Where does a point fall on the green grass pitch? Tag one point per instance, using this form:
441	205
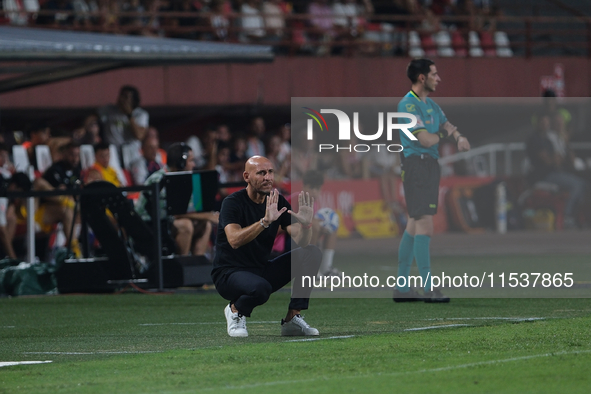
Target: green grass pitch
136	343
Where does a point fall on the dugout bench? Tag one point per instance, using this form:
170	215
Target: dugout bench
124	255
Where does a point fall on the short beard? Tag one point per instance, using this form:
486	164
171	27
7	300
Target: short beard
259	191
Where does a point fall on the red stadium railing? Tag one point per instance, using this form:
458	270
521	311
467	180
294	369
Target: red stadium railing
369	35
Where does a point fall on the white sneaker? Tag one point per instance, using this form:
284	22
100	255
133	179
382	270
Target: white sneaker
236	323
297	326
331	272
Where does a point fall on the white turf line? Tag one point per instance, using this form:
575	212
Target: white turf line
276	322
434	327
491	318
204	323
421	371
320	339
299	340
10	363
92	353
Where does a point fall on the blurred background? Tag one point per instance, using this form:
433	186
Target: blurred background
221	74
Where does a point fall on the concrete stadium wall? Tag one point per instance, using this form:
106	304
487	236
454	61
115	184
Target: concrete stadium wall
275	83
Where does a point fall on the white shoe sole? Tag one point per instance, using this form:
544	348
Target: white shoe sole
233	334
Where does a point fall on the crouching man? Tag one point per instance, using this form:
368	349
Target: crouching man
242	272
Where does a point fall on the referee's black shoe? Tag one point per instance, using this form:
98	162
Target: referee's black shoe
408	296
435	296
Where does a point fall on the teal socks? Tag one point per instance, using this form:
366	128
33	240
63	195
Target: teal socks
405	257
423	256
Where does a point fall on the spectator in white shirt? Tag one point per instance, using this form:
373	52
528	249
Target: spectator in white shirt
253	25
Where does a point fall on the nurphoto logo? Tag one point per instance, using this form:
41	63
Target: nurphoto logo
345	130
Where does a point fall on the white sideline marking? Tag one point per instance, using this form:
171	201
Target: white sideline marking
174	324
320	339
8	326
506	360
91	353
202	323
433	327
9	363
489	318
503	361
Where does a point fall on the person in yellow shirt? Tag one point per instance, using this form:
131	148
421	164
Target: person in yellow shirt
48	212
100	170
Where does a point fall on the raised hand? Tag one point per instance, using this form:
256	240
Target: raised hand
272	214
127	107
305	209
463	144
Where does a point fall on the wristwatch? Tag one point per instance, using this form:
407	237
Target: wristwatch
263	223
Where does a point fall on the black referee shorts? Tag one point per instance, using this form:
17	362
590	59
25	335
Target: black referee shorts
420	177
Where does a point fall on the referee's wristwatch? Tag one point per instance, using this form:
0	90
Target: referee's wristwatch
262	222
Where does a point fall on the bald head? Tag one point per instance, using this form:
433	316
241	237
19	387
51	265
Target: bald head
259	174
255	161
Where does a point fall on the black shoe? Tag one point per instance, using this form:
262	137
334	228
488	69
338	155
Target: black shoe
435	296
409	296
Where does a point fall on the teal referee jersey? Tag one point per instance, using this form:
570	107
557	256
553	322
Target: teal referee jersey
429	117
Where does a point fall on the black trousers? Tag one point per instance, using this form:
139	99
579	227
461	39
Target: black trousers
250	287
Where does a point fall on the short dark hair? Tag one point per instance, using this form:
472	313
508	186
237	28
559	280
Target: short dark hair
22	181
313	178
36	127
134	93
101	146
69	145
417	67
176	155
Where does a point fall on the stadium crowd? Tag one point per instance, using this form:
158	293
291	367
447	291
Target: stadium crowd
139	152
305	23
117	145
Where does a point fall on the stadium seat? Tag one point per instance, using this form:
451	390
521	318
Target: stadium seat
443	41
129	153
503	44
298	34
20	158
414	45
86	156
474	41
429	45
43	155
115	163
488	44
458	44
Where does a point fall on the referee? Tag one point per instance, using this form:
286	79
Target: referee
420	176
